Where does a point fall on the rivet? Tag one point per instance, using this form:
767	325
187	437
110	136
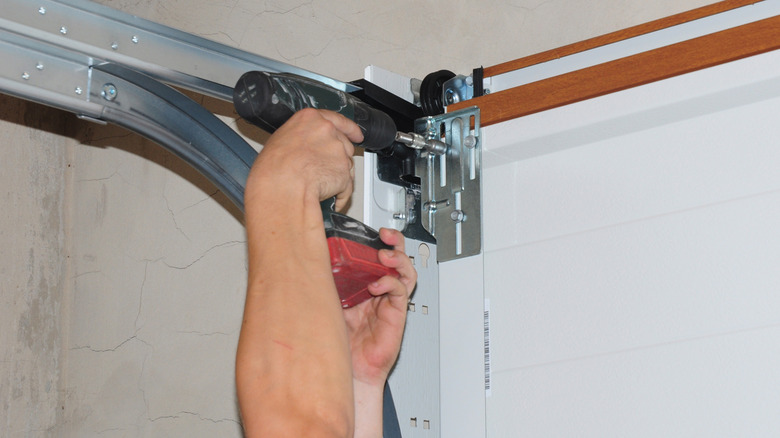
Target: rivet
25	76
134	39
78	90
39	66
42	10
64	30
114	45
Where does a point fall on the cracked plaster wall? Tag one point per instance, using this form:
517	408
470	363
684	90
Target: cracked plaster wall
123	270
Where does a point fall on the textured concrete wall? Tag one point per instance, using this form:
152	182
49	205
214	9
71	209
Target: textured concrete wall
155	279
32	264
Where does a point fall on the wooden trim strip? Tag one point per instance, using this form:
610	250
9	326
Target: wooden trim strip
631	32
632	71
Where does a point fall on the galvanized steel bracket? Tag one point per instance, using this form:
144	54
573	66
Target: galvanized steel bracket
451	183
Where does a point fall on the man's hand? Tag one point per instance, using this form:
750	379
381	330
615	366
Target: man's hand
312	152
375	328
376	325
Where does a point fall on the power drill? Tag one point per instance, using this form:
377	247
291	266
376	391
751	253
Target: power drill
270	99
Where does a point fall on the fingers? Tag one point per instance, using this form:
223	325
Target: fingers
313	151
342	198
346	126
399	261
402	286
393	238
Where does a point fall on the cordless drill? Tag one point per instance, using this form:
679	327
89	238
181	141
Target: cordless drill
268	100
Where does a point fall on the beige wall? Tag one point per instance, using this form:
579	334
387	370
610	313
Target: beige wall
123	271
33	264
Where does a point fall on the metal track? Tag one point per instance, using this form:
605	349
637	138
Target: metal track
109	66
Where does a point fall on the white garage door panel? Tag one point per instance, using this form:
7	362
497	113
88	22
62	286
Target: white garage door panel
633	267
683	389
707	159
704	272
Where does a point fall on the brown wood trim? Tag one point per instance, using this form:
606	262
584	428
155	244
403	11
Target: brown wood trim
620	35
654	65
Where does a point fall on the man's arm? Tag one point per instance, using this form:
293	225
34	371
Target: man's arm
293	371
376	328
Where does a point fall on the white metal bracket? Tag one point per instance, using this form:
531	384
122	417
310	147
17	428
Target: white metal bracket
451	183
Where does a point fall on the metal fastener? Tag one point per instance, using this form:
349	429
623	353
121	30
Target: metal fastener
25	76
114	45
450	96
470	141
42	10
458	216
78	90
64	30
435	205
109	92
134	39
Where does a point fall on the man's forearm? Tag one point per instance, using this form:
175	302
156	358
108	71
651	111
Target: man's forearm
368	410
292	369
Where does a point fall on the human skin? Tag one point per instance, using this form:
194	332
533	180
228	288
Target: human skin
304	366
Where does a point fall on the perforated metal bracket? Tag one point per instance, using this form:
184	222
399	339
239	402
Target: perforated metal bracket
451	183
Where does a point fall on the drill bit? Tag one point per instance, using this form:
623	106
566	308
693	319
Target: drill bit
417	141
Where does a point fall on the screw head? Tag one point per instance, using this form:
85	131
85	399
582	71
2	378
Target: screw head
39	66
64	30
25	76
114	45
42	10
134	39
450	96
78	90
109	92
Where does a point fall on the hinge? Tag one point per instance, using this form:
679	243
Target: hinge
451	183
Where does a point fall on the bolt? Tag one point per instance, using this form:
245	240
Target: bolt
78	90
434	205
39	66
114	45
109	92
458	216
25	76
134	39
470	141
42	10
64	30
